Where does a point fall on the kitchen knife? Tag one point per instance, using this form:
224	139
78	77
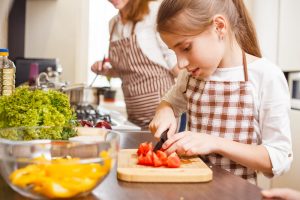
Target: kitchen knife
163	138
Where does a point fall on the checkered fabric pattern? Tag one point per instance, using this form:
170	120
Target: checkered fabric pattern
223	109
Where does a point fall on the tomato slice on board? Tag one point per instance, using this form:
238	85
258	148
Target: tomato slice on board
141	160
162	156
144	148
173	161
156	161
149	158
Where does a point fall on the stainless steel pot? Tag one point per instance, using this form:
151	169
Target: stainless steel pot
82	94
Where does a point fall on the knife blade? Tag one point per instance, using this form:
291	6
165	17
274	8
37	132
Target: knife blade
163	138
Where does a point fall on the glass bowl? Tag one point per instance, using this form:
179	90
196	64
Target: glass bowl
42	169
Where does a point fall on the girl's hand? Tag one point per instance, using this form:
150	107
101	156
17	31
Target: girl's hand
189	143
282	193
99	68
164	119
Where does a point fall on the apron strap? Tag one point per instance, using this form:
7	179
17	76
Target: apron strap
133	27
114	26
245	65
112	31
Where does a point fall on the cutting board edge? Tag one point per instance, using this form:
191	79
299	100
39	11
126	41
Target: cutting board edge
125	175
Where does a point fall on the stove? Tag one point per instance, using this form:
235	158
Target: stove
94	114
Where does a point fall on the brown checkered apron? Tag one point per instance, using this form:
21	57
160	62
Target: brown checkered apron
224	109
143	81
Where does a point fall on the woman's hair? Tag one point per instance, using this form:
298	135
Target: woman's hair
192	17
137	9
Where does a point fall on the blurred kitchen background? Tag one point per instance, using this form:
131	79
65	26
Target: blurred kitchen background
74	34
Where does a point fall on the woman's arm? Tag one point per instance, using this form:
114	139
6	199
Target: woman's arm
104	70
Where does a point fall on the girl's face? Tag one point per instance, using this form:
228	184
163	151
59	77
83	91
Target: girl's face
119	4
200	54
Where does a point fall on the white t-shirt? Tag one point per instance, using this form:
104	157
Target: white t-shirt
271	101
147	37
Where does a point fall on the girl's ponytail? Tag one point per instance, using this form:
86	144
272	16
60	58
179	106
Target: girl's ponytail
245	31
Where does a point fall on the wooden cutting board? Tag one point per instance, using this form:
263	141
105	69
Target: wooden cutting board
191	170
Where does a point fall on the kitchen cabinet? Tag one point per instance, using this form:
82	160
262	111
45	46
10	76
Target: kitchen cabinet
278	34
289	32
291	178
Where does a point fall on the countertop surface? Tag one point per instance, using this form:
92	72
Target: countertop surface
223	186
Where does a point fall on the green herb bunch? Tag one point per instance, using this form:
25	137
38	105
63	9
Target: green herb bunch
36	108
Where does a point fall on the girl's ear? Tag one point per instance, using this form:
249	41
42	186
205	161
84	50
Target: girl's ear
220	25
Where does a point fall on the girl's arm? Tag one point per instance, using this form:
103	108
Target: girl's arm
191	143
171	106
253	156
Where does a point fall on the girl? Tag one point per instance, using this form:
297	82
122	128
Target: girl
138	56
237	102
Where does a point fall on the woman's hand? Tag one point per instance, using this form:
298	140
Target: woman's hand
282	193
164	119
189	143
99	68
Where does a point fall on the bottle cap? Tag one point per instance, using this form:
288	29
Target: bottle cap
3	52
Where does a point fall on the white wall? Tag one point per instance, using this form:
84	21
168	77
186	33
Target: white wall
266	18
100	13
3	33
289	35
4	10
59	29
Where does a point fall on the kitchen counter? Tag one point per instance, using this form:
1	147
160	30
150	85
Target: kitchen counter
223	186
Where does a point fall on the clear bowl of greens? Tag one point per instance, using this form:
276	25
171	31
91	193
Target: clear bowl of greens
54	169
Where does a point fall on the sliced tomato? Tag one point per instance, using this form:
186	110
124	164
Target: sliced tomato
162	156
173	161
150	146
149	158
141	160
156	161
144	148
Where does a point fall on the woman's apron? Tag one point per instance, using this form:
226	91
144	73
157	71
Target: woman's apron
143	81
224	109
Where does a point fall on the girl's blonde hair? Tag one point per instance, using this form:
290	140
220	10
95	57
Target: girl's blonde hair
192	17
137	9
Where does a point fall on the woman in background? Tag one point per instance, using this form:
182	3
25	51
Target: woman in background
139	57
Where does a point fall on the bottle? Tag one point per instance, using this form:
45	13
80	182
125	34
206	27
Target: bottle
7	74
33	73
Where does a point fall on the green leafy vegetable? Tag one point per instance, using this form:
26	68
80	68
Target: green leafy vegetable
34	108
